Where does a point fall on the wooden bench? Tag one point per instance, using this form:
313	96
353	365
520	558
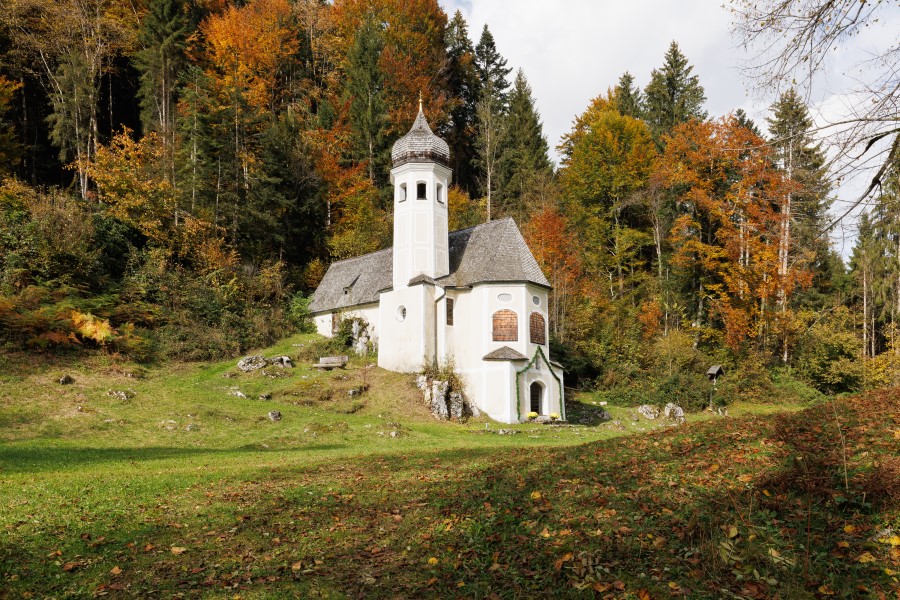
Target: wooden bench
332	362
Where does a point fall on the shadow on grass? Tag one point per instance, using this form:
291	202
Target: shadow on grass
683	512
25	459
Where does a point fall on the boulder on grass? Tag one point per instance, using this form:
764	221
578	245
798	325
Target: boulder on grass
66	380
284	362
648	412
274	415
674	412
252	363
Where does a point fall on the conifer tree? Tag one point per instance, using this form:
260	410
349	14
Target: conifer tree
368	111
673	95
804	161
489	142
744	120
162	38
525	151
491	67
629	99
462	82
491	110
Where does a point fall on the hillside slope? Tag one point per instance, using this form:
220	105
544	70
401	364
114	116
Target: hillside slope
799	505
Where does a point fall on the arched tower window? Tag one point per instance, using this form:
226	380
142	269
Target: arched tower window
537	394
538	328
421	190
506	326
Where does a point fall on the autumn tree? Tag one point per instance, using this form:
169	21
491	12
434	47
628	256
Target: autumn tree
250	52
727	238
72	45
549	235
608	157
9	145
412	59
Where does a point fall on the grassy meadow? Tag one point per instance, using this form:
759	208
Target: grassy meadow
181	487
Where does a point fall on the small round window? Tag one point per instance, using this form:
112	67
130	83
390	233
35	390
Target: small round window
536	300
401	313
504	297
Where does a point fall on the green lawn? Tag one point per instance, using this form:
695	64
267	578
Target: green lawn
187	489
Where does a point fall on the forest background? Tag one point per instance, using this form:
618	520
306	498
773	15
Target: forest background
177	175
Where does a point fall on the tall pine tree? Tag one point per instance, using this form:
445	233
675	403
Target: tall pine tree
368	111
804	161
673	95
163	39
463	83
491	67
744	120
629	99
525	152
491	112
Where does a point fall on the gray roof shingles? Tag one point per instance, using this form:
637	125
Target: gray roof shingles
491	252
504	353
420	145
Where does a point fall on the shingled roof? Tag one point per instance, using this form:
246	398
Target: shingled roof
504	353
420	145
491	252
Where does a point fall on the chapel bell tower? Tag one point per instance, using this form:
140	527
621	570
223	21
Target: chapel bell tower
421	177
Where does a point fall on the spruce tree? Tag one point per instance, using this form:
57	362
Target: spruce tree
163	39
804	161
744	120
462	81
673	95
525	152
629	99
368	110
491	67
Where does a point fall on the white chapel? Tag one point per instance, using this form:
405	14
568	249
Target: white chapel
474	296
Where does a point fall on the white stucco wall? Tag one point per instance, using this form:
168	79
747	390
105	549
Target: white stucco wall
405	345
492	384
368	312
421	245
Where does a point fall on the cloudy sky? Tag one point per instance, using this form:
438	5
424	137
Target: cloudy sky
573	50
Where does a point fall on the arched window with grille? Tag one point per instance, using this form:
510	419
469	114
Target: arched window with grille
538	328
506	326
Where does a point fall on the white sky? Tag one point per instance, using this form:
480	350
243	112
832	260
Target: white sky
573	50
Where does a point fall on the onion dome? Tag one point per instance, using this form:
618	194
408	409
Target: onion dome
420	145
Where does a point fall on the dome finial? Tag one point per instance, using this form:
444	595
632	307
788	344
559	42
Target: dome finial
420	100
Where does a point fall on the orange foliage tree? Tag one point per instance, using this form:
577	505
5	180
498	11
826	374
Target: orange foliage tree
252	47
727	237
414	54
550	236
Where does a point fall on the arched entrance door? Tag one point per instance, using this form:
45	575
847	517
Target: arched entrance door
537	395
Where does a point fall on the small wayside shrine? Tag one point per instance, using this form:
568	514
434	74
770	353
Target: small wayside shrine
475	297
